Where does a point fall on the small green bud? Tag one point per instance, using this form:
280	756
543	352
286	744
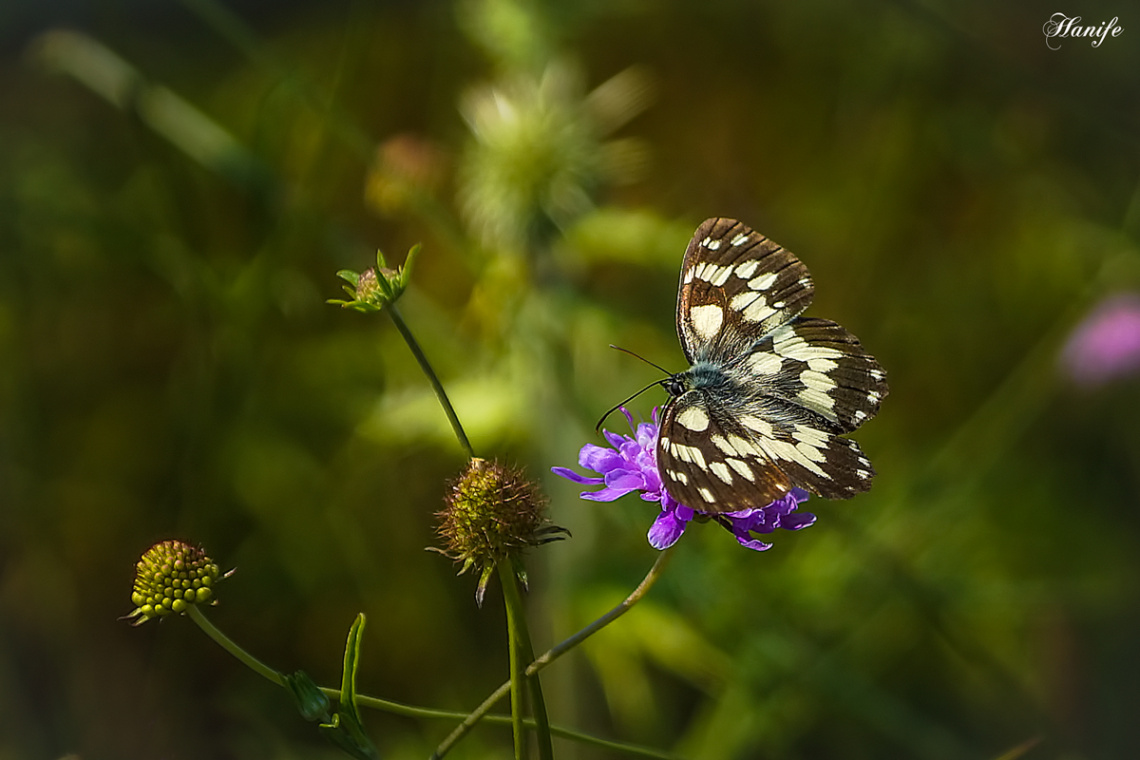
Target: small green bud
313	703
492	515
171	577
376	287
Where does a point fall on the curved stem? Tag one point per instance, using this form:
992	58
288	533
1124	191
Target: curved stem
565	646
398	708
557	651
228	644
470	720
436	385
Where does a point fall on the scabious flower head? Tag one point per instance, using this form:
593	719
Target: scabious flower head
1106	345
493	514
630	464
171	577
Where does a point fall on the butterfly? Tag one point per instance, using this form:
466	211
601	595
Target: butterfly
769	393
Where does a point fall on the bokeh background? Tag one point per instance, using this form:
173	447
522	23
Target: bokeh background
180	182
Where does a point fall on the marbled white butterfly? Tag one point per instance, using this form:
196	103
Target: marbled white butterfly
769	392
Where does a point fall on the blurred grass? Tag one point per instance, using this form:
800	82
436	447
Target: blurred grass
961	193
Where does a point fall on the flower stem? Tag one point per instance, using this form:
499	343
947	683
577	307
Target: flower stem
526	654
557	651
228	644
513	603
425	365
397	708
565	646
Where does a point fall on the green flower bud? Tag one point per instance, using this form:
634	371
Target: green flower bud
378	286
492	515
171	577
311	701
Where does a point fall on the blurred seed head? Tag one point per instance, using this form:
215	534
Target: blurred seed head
538	158
407	169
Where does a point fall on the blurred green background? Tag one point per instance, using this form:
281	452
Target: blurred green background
180	181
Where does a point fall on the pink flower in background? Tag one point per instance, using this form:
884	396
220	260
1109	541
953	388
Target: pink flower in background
1106	345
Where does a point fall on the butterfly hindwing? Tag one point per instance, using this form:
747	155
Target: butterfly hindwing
818	365
710	463
769	393
809	456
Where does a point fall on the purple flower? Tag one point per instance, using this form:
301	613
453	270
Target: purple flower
631	465
1106	345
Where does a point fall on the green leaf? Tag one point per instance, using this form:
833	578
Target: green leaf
346	729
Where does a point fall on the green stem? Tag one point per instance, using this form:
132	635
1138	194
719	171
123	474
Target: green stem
526	654
513	603
398	708
565	646
557	651
228	644
425	365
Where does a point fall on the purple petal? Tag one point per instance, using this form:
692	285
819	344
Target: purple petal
605	494
615	440
652	479
666	529
598	459
569	474
628	479
683	513
646	434
752	543
797	521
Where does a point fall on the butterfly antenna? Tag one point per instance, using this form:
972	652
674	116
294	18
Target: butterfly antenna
639	356
598	427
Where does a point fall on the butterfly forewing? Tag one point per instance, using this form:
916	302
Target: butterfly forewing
736	285
769	393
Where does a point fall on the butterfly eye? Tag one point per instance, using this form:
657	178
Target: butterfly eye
673	386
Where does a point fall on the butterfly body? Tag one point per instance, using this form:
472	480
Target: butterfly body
768	393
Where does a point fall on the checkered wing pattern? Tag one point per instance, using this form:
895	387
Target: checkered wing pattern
769	393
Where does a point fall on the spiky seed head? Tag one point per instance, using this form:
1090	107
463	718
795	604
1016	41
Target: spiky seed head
492	515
